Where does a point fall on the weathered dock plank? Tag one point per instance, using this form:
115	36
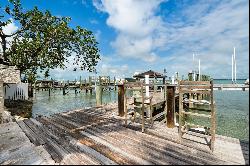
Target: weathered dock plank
99	136
16	148
64	153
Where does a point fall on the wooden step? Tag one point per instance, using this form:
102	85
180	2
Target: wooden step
196	114
196	126
195	91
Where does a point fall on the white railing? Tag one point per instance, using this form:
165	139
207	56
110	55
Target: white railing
16	91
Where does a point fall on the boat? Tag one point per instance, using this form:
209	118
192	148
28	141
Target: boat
247	82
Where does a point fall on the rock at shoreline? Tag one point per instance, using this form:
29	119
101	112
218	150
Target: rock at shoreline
19	108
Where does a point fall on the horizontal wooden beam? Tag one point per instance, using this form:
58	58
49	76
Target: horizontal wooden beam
182	82
196	114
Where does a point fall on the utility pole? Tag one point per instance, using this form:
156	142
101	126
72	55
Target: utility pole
199	69
234	67
193	69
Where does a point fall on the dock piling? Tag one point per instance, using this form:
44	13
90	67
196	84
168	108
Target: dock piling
170	107
98	95
121	100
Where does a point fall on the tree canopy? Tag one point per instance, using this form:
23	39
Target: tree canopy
44	41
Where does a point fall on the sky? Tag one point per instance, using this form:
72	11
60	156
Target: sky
139	35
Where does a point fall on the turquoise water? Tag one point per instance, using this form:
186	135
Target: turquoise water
232	113
232	107
228	81
43	104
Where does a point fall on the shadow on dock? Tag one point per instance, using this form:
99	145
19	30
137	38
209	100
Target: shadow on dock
98	136
245	150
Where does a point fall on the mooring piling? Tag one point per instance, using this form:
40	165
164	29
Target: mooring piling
99	95
121	100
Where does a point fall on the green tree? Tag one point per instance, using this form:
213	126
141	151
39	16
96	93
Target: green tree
44	41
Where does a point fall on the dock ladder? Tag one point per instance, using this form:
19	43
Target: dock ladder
196	102
140	104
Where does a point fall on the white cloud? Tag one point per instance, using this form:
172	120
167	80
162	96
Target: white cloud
94	21
110	65
212	31
107	69
136	25
8	30
85	3
209	28
98	35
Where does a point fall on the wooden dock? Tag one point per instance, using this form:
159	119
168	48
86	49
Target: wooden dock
242	87
16	148
98	136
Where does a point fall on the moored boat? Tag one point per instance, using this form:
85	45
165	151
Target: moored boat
247	82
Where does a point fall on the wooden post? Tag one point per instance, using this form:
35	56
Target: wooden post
121	100
155	87
125	109
213	118
80	81
1	99
98	95
190	77
180	114
90	81
147	87
170	106
100	80
142	110
64	90
165	91
49	91
114	84
35	87
30	90
85	81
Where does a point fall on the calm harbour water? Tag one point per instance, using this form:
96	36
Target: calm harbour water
232	107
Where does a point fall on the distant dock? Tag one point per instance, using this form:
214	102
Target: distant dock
242	87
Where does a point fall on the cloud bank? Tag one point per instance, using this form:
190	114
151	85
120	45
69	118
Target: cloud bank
167	37
136	25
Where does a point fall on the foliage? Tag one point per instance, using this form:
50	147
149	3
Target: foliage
44	41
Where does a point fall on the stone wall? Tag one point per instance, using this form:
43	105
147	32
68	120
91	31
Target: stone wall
1	97
1	102
9	74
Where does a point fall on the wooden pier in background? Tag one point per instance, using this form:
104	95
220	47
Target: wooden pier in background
98	136
242	87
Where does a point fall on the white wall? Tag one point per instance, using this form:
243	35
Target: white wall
16	91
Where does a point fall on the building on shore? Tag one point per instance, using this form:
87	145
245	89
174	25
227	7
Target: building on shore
153	76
